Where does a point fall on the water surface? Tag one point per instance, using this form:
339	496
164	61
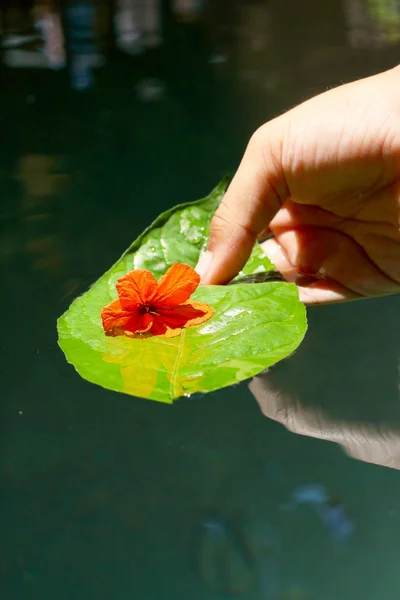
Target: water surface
108	496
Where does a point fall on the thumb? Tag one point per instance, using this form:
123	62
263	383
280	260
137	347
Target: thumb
255	195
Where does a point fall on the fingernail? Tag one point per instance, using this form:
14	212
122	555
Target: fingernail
204	264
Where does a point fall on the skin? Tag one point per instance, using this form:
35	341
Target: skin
324	179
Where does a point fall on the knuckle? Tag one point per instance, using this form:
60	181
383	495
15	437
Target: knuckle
220	221
258	140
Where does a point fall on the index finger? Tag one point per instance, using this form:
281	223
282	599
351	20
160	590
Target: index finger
254	196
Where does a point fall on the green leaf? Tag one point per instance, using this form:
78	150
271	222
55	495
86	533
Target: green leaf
253	326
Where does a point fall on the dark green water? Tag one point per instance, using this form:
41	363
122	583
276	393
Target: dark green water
105	496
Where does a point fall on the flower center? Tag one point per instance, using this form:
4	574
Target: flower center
147	308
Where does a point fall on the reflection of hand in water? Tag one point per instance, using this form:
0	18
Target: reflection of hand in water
343	384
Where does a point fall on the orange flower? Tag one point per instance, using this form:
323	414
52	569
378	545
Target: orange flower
156	308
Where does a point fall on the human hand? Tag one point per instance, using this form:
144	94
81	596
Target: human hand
324	179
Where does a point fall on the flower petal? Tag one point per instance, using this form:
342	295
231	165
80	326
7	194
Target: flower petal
159	327
139	322
176	285
114	316
136	288
176	317
117	321
167	307
205	309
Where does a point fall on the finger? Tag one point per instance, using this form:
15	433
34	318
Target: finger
255	195
378	241
332	255
278	256
293	215
326	292
311	291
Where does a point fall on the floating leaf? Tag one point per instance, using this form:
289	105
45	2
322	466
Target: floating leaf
254	324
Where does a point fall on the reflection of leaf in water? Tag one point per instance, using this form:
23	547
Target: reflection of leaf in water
40	176
386	14
42	179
